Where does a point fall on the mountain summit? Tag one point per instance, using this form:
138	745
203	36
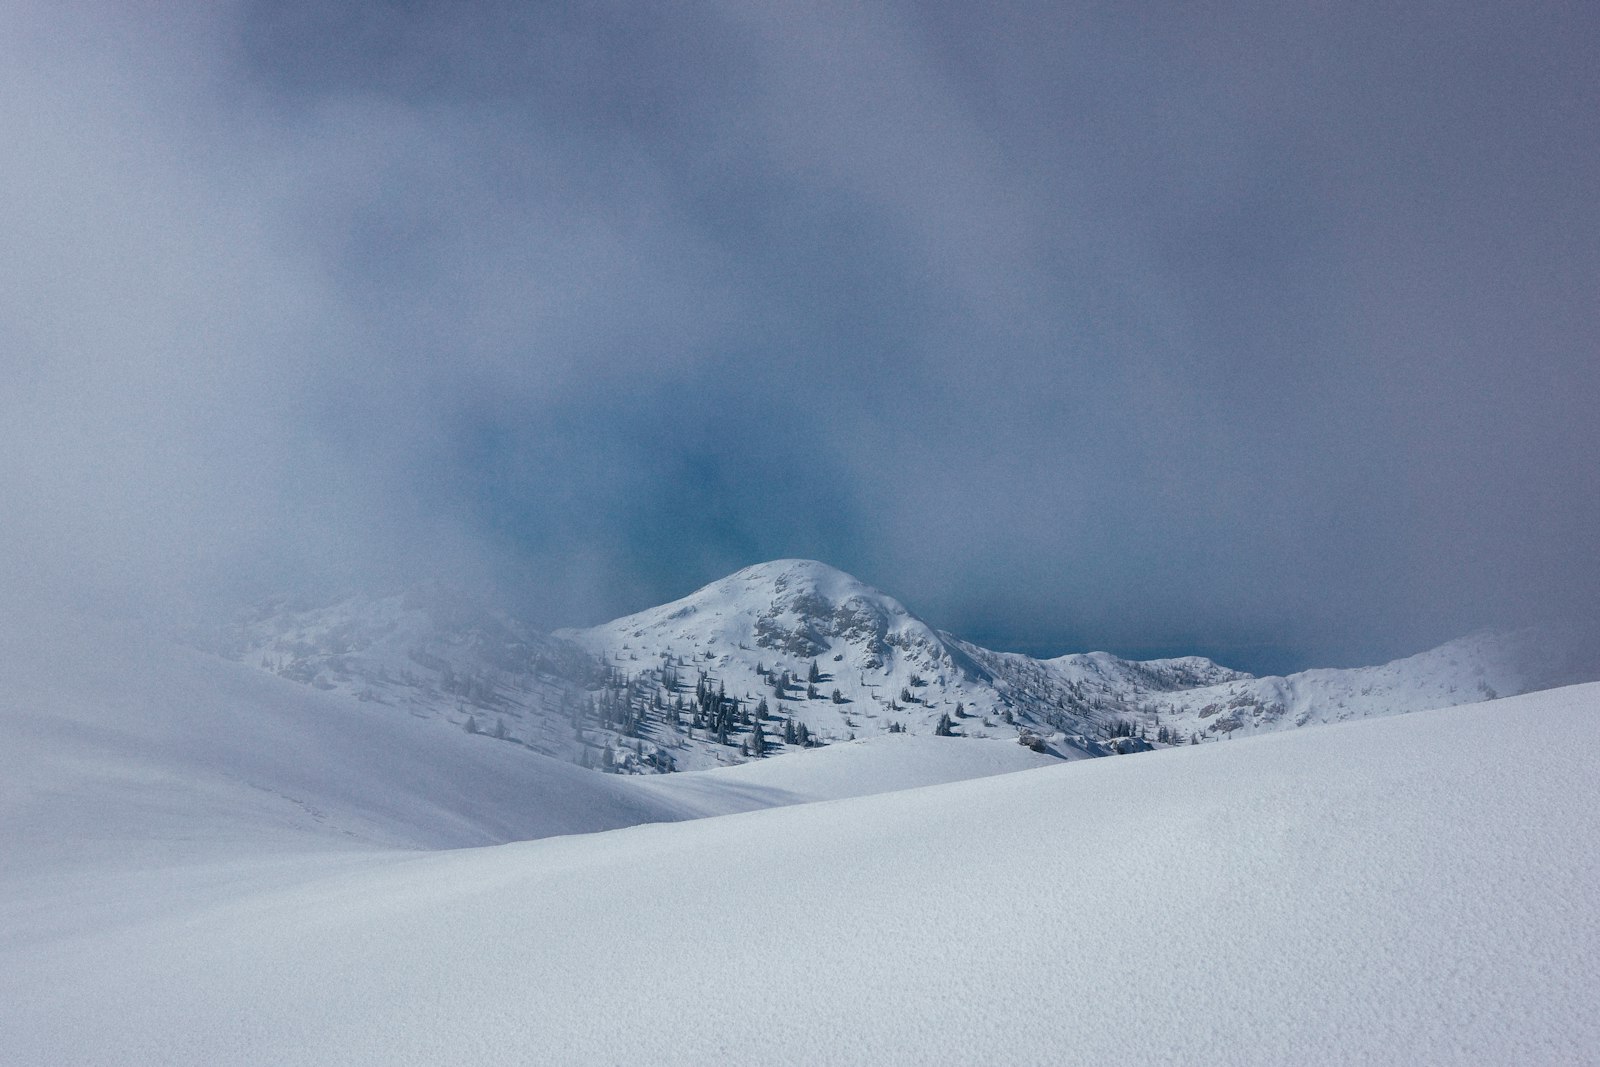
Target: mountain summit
797	608
815	645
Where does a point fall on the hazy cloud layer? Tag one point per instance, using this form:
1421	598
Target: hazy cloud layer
1263	331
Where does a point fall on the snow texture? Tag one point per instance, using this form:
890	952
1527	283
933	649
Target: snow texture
207	865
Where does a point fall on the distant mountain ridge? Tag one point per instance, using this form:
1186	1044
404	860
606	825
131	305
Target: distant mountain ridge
791	653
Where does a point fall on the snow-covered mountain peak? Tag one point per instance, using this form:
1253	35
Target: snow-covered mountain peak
792	607
799	609
782	573
814	645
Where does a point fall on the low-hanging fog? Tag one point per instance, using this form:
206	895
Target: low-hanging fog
1257	330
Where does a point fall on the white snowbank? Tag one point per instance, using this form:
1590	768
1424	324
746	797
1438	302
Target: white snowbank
1406	890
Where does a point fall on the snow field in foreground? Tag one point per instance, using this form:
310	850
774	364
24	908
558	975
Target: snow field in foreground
1414	889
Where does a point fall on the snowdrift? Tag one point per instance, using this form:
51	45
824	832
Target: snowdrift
1410	889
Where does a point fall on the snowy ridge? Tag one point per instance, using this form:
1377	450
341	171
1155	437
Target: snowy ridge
1097	702
790	654
1482	666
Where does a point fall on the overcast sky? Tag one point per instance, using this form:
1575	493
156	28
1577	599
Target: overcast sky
1264	330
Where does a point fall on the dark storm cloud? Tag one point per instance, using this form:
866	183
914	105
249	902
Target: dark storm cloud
1256	330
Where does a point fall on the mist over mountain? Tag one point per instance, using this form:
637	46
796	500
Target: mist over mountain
1071	331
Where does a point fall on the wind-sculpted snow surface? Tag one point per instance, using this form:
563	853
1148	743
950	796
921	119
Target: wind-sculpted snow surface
1416	889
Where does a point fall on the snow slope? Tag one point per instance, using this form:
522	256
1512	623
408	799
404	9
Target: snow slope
1412	889
117	741
845	769
125	746
127	753
428	653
